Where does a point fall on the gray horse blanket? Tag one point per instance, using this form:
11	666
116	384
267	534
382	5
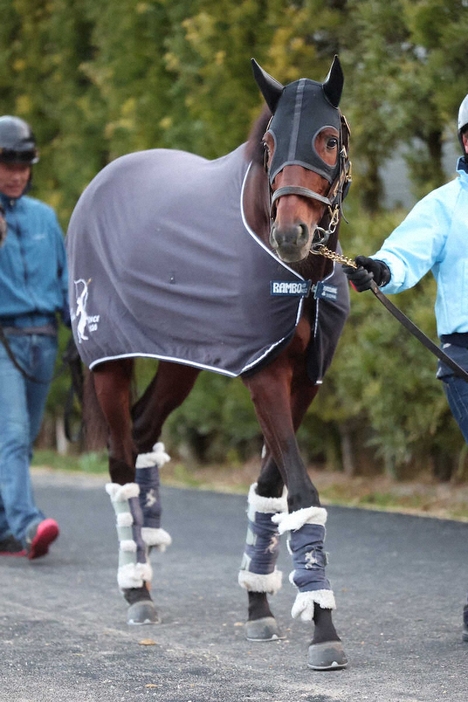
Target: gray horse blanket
163	264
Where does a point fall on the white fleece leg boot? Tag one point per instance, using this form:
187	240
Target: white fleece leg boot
258	572
147	477
134	572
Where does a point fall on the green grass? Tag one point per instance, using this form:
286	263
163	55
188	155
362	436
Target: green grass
95	463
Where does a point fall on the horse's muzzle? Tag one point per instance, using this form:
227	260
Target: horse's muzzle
291	243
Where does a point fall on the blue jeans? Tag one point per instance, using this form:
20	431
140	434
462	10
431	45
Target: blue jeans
455	388
22	403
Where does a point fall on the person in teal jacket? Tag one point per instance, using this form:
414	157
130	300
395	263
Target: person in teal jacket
433	237
33	292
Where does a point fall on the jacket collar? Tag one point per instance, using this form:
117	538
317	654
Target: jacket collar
462	165
8	202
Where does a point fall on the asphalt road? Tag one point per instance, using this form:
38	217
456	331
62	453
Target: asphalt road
400	583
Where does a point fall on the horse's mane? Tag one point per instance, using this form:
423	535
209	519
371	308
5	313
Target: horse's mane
254	149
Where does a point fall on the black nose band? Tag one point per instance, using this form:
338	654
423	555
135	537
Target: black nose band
303	105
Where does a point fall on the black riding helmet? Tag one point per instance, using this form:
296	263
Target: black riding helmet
17	142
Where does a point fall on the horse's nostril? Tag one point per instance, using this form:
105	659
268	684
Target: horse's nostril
304	233
296	235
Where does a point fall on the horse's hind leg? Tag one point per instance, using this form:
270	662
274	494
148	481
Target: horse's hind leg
258	573
168	389
112	387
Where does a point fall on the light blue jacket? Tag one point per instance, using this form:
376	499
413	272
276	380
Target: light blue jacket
33	267
434	236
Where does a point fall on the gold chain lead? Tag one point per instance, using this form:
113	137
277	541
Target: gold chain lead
334	256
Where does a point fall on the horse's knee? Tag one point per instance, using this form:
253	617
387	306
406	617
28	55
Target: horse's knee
270	482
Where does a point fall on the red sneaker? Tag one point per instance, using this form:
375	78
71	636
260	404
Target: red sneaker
40	536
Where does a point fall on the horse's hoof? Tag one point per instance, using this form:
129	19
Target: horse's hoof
143	612
327	656
265	629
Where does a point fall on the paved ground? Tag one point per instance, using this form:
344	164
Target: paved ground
400	584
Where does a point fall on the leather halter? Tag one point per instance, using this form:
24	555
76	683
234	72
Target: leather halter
336	193
302	192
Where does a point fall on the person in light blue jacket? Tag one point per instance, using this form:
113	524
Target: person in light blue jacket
33	293
433	237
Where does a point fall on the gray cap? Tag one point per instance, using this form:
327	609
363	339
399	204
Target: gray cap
17	141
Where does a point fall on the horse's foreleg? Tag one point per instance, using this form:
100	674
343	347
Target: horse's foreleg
279	415
258	573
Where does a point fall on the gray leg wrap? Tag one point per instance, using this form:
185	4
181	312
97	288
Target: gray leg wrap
258	572
134	568
147	477
307	527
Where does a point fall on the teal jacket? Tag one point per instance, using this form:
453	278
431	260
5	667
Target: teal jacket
33	267
434	237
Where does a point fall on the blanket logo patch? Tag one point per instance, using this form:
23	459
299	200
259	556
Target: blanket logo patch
299	288
324	291
86	323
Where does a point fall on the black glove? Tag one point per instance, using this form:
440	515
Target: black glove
369	269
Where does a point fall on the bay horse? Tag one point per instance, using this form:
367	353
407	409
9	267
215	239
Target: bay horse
213	265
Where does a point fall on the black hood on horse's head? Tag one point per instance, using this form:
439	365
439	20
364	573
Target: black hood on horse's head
300	110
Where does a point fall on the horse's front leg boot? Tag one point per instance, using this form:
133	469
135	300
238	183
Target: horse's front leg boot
147	477
307	535
258	572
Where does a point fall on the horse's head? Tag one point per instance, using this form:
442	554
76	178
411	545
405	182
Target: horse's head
306	160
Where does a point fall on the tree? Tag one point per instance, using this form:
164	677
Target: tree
407	79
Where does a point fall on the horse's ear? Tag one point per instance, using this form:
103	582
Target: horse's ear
333	85
270	88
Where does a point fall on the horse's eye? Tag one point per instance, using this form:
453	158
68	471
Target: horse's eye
332	143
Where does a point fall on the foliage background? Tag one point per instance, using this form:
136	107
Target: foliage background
99	78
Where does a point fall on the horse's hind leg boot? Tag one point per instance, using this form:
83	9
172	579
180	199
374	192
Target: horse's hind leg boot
134	571
134	568
258	572
147	477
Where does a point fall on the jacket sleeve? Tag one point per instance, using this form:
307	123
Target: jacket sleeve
416	244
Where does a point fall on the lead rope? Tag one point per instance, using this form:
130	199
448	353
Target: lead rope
12	357
322	250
